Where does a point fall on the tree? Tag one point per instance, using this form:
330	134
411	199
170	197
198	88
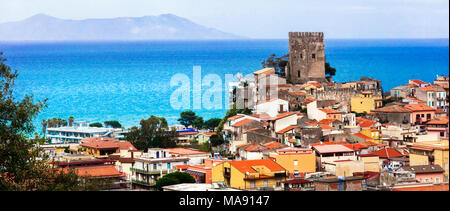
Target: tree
329	70
113	124
23	165
211	124
187	118
198	123
173	179
71	120
97	124
154	132
216	140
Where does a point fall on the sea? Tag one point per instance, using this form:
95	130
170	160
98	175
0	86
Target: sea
130	81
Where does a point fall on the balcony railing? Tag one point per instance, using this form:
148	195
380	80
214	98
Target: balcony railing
143	182
149	172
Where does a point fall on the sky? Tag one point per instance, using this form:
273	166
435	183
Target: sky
263	19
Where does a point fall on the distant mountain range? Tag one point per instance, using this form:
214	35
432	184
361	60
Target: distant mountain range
163	27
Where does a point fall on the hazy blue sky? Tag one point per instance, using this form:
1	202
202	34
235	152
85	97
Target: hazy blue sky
263	18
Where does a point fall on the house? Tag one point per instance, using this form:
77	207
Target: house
79	131
351	183
146	170
394	114
434	96
298	184
101	147
420	113
374	135
427	173
387	153
443	82
295	160
125	160
281	122
430	153
258	151
202	172
273	107
418	83
365	103
332	152
204	137
195	156
371	162
262	174
403	91
421	187
96	169
438	126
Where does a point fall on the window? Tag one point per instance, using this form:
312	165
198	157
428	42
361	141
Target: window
154	166
437	180
278	183
301	56
252	184
168	165
427	180
295	162
313	55
266	183
298	74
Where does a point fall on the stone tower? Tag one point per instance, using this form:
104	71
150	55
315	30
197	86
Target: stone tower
306	57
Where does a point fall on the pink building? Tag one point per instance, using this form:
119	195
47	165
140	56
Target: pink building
427	173
420	113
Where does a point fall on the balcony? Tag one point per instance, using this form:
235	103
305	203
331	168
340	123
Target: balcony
148	172
150	184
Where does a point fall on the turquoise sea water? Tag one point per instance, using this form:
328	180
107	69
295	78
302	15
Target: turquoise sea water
129	81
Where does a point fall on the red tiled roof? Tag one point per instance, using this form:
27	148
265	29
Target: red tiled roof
308	101
439	121
360	135
272	144
388	153
432	89
330	111
210	134
297	93
356	147
106	143
419	107
188	133
245	166
235	117
418	81
325	127
243	122
367	124
283	115
332	148
97	171
440	187
288	128
392	109
326	121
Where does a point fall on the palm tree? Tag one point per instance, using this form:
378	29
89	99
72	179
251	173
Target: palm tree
71	120
44	126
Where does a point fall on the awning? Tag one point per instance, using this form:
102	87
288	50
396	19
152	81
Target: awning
196	173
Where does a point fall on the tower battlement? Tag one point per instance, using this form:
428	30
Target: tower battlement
306	57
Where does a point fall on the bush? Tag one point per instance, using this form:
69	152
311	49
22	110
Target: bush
173	179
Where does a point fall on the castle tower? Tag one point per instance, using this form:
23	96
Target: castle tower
306	57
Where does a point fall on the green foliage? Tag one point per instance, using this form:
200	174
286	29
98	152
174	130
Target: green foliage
23	165
329	70
198	123
113	124
211	124
216	140
153	132
97	124
173	179
205	147
187	118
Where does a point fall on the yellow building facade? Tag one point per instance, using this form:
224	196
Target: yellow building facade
426	152
371	163
295	160
249	174
365	102
374	134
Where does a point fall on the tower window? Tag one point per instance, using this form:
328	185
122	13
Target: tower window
313	55
298	74
301	56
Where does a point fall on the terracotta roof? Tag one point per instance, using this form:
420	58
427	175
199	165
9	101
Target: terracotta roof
360	135
210	134
106	143
439	121
188	133
283	115
432	89
97	171
235	117
272	144
326	127
265	71
418	81
356	147
388	153
392	109
367	124
245	166
243	122
256	148
288	128
440	187
297	93
415	100
308	101
326	121
419	107
185	151
330	111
